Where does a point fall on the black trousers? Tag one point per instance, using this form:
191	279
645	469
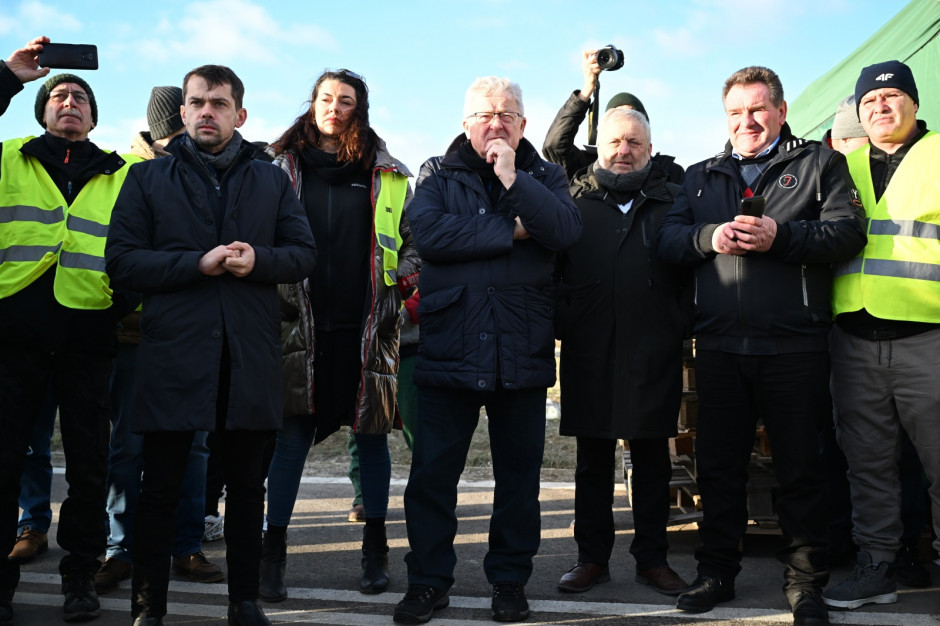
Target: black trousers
80	382
165	457
790	394
594	500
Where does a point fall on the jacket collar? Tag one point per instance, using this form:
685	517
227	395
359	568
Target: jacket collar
451	158
585	185
787	147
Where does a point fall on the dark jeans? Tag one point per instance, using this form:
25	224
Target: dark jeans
81	388
594	500
790	394
446	421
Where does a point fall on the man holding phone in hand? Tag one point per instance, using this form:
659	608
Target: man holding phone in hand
57	313
762	320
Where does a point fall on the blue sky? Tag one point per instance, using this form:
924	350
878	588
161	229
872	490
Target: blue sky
419	57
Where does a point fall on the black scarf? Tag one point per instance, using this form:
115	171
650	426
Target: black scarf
327	166
622	187
216	163
486	171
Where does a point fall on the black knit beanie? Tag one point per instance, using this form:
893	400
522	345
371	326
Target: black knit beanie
163	111
888	74
627	99
42	96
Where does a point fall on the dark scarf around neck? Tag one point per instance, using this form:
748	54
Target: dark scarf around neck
220	161
623	187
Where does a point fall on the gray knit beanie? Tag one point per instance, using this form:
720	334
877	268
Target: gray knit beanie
845	124
163	111
42	96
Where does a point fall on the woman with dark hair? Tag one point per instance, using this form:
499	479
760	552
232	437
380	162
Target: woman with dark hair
341	336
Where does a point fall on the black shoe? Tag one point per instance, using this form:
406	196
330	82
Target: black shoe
6	607
419	604
808	608
81	601
247	613
143	620
704	594
509	603
374	577
271	586
909	570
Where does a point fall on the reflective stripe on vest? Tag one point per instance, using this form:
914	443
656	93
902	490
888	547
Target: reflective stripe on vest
38	229
897	275
389	204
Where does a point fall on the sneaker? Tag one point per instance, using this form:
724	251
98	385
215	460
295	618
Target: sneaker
509	603
419	604
870	583
111	574
357	514
197	568
910	571
28	545
81	601
215	528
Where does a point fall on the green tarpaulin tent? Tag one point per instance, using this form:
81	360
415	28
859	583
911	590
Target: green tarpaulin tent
912	36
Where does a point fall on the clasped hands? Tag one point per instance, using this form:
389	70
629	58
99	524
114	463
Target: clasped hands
237	258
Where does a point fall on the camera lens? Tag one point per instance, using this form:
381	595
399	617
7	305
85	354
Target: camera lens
610	58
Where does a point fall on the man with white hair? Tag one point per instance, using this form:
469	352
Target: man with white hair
487	218
621	316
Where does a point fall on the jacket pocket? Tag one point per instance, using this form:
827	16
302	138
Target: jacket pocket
540	308
442	322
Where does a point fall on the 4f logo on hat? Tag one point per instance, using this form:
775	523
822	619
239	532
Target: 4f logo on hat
787	181
883	77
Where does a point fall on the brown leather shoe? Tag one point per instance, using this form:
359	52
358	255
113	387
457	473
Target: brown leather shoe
357	514
583	576
111	573
197	568
28	545
663	579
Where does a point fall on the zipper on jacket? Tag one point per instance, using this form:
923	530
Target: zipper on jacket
805	289
738	279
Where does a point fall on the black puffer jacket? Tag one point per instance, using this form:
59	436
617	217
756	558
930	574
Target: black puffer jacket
622	316
776	301
487	304
559	144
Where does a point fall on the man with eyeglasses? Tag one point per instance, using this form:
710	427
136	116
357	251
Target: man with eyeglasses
57	314
487	218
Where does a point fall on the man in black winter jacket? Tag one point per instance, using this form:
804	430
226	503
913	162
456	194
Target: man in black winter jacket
206	234
762	320
622	315
487	219
57	314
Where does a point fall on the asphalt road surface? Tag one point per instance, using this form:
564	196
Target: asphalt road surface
323	571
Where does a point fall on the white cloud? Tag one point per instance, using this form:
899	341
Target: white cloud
232	30
32	19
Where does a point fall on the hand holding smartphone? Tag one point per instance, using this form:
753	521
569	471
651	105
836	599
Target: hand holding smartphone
69	56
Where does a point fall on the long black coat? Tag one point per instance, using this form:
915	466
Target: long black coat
162	223
621	317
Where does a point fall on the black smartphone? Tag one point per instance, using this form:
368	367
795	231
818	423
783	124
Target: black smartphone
753	206
69	56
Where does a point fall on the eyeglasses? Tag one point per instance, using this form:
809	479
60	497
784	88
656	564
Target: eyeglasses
506	117
80	97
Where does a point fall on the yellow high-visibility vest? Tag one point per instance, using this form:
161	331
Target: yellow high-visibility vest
389	204
39	229
897	275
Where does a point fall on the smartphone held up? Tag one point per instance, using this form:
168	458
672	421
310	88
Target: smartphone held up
69	56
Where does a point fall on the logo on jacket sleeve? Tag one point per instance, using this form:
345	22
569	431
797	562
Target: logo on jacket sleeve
787	181
854	199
